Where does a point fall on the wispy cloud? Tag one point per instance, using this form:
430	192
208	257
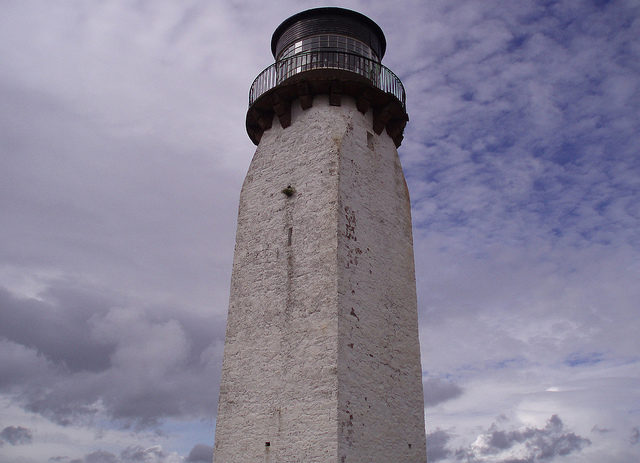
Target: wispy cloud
516	131
15	435
579	359
437	391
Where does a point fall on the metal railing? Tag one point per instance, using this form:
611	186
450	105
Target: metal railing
380	76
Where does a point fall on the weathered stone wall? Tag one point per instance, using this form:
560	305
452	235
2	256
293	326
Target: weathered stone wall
321	352
381	407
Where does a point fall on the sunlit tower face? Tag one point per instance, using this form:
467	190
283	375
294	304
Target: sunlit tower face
322	360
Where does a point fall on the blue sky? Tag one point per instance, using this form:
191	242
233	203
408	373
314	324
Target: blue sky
123	148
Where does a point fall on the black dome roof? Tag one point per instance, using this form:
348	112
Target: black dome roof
329	20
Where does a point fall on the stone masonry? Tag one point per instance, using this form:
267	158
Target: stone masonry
322	361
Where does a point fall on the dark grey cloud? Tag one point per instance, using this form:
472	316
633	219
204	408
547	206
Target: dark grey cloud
16	435
140	365
437	445
57	326
538	444
139	454
437	391
200	453
132	454
100	456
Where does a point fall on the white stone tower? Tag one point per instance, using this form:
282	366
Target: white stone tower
321	360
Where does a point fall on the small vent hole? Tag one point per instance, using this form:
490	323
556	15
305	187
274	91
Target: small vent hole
267	444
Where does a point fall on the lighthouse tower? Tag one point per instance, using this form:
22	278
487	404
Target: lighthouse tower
322	360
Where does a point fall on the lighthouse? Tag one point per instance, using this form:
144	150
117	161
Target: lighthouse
321	358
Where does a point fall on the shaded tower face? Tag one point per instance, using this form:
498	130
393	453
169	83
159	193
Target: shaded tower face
322	360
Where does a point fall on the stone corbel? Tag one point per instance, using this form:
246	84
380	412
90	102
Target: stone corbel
335	93
380	117
304	95
282	108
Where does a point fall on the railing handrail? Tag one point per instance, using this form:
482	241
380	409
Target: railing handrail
379	75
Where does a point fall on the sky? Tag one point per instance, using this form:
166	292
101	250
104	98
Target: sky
122	152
